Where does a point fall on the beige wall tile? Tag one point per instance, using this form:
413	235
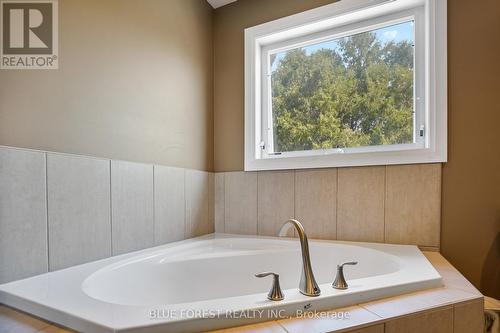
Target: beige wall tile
406	304
370	329
211	202
131	206
219	202
469	317
55	329
428	248
440	321
330	321
275	200
196	203
315	202
360	204
413	204
78	195
240	203
169	204
23	214
12	321
266	327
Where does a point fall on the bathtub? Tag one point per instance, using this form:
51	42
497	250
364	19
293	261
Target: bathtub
208	283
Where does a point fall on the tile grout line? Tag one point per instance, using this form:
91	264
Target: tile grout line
453	318
154	208
294	194
212	213
224	202
185	204
294	175
225	193
385	199
47	207
375	314
208	201
281	325
222	199
256	203
440	205
337	206
110	208
258	174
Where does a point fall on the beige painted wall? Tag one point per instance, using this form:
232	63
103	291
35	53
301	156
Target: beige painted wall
134	83
471	180
229	23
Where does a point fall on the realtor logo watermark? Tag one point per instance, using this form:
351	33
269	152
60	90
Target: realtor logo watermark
29	33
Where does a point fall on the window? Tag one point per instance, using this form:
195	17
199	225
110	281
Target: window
351	83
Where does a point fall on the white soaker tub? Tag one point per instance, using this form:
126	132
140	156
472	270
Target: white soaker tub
208	282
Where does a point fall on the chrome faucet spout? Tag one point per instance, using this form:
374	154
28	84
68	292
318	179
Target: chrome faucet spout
308	285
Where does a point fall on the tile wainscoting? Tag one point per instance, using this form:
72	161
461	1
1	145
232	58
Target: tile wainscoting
59	210
392	204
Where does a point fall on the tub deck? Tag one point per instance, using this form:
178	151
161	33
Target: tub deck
457	306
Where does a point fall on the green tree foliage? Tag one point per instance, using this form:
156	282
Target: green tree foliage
358	94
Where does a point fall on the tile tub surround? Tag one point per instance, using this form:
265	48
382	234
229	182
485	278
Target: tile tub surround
132	206
78	204
170	212
73	209
393	204
456	307
23	214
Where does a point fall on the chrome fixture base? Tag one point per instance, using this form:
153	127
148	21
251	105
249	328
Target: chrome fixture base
340	282
275	294
307	285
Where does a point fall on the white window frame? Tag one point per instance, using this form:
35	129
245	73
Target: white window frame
333	21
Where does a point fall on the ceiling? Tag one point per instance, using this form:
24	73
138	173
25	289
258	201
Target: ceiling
219	3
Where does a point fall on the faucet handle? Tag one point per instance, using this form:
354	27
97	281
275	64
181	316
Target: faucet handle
340	282
348	263
275	294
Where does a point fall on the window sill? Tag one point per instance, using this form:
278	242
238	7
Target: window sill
332	160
